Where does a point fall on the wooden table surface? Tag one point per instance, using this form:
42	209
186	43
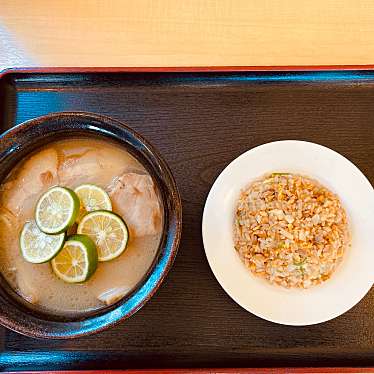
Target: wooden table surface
188	33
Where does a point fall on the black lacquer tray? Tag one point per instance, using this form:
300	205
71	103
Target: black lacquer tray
200	121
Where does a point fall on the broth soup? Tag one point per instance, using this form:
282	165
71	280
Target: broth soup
133	198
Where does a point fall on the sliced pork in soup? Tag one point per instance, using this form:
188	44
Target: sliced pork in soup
79	182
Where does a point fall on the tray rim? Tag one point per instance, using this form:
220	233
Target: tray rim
182	69
202	69
301	370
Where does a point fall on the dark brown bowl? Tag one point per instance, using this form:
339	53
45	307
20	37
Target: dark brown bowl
18	142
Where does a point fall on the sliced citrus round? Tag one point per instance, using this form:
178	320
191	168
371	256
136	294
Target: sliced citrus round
92	198
107	230
56	210
38	247
77	260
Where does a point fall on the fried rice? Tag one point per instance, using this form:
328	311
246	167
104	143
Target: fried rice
290	230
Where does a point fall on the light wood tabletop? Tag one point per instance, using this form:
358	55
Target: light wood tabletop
185	33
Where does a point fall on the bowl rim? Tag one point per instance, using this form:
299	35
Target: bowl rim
121	133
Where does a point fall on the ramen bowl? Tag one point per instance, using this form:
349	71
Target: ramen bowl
22	140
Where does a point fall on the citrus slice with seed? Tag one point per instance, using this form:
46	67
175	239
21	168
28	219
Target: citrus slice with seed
108	231
57	210
38	247
92	198
77	260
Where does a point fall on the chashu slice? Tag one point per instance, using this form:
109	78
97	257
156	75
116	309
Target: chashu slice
35	176
98	166
134	197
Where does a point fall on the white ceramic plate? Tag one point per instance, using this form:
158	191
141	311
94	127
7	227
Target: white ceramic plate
355	275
